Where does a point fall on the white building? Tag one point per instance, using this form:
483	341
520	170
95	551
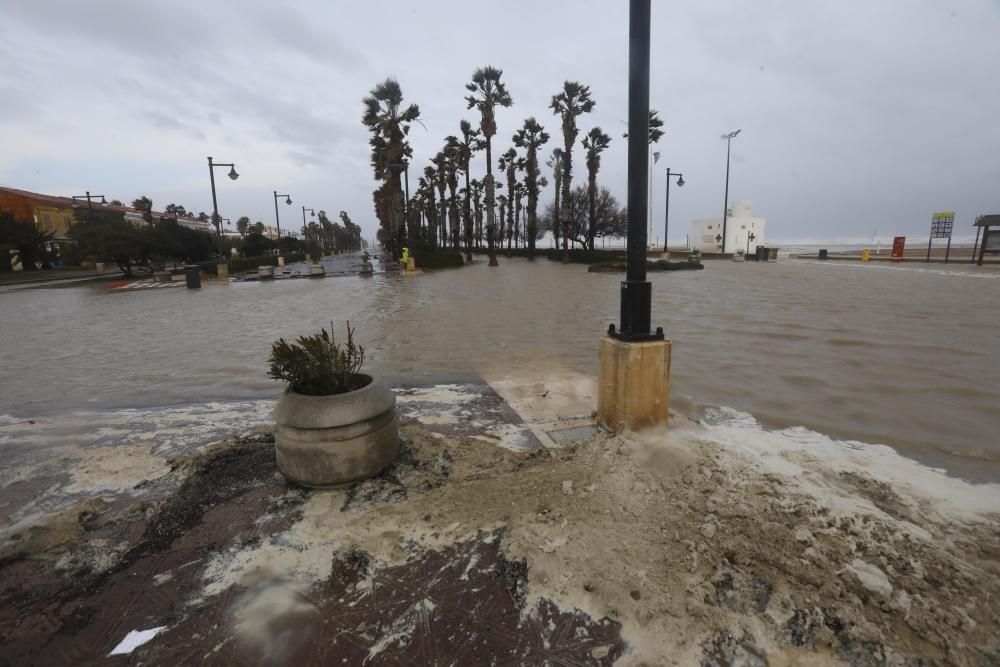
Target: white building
743	231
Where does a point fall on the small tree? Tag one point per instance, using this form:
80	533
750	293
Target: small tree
30	243
243	226
105	235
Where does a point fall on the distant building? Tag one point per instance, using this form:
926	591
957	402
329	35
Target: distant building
743	231
50	214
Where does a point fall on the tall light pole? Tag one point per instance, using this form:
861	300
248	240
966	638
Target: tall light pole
666	214
277	218
305	232
88	197
725	204
636	291
215	203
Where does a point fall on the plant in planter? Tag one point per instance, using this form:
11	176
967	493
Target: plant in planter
333	424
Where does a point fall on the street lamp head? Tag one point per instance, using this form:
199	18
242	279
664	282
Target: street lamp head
288	200
312	213
680	182
232	173
103	200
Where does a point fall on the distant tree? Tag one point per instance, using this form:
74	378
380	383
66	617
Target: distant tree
510	163
144	205
243	226
453	149
572	101
389	123
467	145
258	227
203	216
655	125
531	137
441	167
610	219
595	143
104	235
115	202
23	236
556	162
172	241
256	244
488	92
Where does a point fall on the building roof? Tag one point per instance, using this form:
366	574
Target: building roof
992	220
48	199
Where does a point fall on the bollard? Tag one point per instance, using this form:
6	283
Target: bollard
866	255
823	253
281	262
411	264
192	275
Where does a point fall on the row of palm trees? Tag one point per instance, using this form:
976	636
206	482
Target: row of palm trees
440	212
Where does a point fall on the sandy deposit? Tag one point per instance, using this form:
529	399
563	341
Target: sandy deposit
703	550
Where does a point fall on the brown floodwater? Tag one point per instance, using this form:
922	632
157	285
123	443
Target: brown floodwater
903	356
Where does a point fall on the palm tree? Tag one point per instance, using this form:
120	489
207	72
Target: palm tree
453	151
468	145
556	162
573	100
531	137
502	204
509	163
477	192
389	123
519	192
488	92
595	143
441	171
427	182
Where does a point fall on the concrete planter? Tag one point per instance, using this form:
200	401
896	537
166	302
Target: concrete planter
331	440
265	272
317	270
366	269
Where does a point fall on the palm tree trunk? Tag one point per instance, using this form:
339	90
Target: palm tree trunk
490	212
592	201
466	210
567	176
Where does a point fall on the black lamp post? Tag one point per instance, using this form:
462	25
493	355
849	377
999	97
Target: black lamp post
636	291
88	197
666	215
725	204
305	232
215	204
277	219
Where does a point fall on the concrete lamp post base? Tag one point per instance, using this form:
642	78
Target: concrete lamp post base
222	271
634	384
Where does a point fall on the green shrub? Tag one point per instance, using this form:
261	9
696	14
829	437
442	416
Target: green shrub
426	256
243	264
318	365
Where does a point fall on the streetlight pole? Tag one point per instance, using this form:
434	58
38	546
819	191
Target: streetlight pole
636	291
666	214
725	204
305	233
215	203
88	197
277	218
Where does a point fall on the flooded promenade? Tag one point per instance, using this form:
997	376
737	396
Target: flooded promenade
903	356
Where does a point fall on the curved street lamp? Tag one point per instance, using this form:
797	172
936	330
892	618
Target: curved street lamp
725	204
88	197
277	219
666	216
215	204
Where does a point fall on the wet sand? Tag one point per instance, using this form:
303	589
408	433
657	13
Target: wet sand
714	543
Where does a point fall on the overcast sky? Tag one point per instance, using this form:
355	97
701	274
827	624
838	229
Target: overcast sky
856	116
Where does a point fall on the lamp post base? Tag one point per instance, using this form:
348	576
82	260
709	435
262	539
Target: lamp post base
633	384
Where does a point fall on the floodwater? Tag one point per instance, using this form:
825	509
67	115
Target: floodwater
903	356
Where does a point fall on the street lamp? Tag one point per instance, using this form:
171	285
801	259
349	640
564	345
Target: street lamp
636	291
725	204
666	214
215	203
277	219
88	197
305	231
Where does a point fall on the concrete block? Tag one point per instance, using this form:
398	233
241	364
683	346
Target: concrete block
633	389
222	271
